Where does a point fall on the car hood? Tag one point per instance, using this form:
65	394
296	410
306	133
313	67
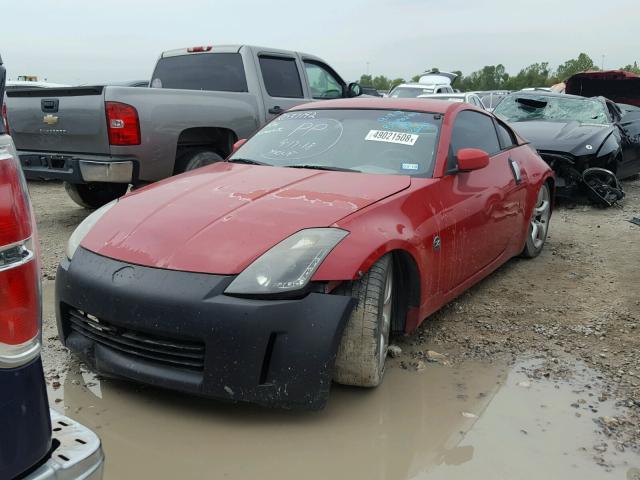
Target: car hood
220	218
570	137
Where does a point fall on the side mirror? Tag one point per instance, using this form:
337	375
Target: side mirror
238	144
354	90
472	159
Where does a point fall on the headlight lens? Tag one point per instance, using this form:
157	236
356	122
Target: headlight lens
87	224
289	265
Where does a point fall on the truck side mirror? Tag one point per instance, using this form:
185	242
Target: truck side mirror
354	90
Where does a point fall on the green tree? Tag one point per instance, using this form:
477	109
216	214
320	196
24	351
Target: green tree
366	80
380	83
632	68
535	75
395	81
575	65
491	77
415	78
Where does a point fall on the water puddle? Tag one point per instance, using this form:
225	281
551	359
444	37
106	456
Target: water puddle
481	421
472	421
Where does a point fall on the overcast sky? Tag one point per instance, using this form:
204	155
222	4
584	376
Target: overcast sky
81	41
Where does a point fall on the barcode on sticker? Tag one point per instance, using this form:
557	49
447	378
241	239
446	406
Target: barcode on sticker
391	137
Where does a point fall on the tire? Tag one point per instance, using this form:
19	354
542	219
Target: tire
196	159
539	224
362	352
94	195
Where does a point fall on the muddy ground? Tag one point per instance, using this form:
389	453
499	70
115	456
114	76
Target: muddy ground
567	321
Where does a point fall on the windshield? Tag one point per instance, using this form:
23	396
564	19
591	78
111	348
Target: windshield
410	92
553	109
371	141
223	72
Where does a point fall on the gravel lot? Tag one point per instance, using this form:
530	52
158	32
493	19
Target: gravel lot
579	302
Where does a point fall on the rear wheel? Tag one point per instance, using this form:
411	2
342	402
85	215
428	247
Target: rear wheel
539	224
362	352
94	195
196	159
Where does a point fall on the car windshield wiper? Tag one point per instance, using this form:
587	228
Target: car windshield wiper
324	167
248	161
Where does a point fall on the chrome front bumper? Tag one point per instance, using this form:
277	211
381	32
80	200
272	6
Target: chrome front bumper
77	456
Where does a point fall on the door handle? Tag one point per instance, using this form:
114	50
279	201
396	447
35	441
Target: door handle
515	169
276	110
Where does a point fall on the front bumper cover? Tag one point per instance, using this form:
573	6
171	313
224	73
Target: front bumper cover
141	323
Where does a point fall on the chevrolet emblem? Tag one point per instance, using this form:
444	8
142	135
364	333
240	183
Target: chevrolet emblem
50	119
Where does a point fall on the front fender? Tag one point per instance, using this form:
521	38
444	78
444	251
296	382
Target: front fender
401	222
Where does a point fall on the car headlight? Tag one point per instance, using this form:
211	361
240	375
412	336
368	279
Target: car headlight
289	265
87	224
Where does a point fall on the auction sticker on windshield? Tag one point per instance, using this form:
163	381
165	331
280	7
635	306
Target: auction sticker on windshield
392	137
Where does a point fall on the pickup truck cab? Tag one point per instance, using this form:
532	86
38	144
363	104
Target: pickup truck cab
35	443
201	100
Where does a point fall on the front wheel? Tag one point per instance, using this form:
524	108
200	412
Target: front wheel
539	224
362	352
94	195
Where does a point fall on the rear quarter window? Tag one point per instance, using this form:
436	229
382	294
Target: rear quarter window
223	72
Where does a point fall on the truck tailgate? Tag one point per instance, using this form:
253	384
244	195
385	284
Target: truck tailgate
61	120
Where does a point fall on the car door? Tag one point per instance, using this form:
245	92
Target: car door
281	83
629	125
482	207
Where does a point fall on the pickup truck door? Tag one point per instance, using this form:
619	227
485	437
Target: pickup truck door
281	81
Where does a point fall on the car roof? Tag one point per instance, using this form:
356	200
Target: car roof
542	93
420	85
448	95
426	105
234	48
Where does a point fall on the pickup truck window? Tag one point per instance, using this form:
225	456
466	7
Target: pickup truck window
323	84
223	72
281	77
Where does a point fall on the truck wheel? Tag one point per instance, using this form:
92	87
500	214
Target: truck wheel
200	158
94	195
362	352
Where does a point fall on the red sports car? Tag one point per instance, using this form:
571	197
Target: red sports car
265	277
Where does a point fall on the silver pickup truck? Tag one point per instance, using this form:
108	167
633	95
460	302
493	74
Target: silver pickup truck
201	100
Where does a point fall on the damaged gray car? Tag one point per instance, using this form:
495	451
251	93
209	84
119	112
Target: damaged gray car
590	143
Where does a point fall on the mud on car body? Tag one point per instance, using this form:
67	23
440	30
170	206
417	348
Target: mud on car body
589	142
266	277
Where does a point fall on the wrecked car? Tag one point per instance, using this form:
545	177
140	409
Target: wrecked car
591	143
265	277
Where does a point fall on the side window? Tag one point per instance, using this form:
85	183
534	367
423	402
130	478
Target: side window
322	82
472	130
507	140
281	77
